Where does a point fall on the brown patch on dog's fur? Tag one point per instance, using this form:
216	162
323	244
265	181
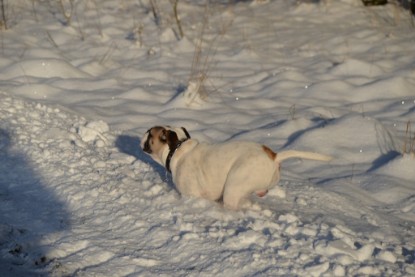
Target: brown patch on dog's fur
271	154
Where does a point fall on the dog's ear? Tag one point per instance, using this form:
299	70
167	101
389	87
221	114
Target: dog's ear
172	139
186	132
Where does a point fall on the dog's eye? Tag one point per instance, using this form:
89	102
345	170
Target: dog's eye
163	136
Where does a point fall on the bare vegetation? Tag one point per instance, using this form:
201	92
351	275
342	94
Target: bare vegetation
176	17
156	11
3	19
67	10
199	86
409	141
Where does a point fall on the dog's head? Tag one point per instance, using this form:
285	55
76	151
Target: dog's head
160	140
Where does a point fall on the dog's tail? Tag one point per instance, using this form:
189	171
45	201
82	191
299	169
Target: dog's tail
300	154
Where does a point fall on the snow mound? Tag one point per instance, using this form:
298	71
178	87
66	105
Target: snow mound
42	68
352	138
359	68
362	89
400	167
94	132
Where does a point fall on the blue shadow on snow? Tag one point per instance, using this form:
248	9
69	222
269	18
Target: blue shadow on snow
130	145
28	213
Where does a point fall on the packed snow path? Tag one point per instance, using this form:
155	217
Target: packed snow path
75	203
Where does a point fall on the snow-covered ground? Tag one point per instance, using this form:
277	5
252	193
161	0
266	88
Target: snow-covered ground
79	198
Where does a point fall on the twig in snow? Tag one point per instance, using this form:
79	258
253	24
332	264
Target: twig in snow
3	20
409	141
67	12
155	11
176	16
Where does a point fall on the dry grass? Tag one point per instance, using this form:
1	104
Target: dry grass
156	12
67	10
409	141
174	3
201	64
3	16
200	82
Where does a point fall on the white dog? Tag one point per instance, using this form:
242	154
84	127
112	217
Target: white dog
231	171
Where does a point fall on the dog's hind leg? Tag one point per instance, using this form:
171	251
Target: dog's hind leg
246	178
232	200
239	185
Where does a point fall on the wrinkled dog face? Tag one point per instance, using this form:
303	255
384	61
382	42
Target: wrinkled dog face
156	139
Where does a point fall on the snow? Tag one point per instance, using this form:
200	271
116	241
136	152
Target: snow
79	198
